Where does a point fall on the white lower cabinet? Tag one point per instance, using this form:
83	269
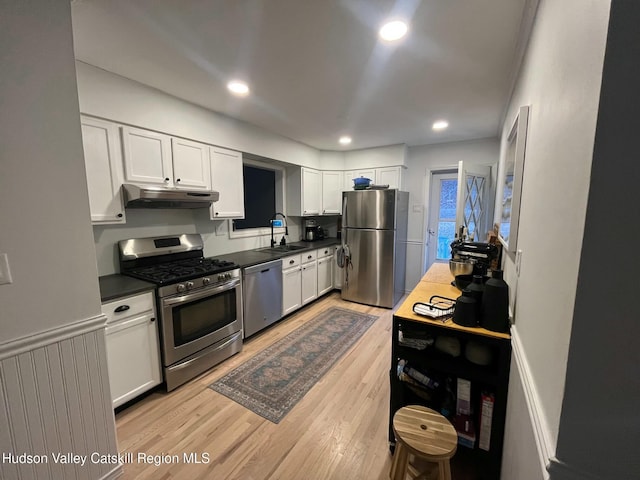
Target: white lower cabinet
291	284
309	282
133	351
325	270
305	277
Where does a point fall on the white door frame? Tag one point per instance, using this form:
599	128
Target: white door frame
426	199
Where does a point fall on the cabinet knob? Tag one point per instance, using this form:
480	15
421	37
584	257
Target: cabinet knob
152	319
166	179
291	261
177	179
217	213
119	215
310	257
122	308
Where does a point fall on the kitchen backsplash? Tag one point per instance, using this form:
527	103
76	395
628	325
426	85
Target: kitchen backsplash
148	223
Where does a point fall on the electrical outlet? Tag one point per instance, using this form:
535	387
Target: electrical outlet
5	273
518	261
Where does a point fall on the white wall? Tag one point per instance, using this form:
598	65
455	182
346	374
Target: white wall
44	206
560	80
420	160
375	157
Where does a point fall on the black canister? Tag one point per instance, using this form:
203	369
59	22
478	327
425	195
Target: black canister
476	287
466	310
495	304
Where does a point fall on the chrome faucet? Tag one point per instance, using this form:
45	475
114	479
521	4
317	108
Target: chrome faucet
286	229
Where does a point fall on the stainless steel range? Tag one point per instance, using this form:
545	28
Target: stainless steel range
199	302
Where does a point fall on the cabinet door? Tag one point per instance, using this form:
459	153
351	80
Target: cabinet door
133	357
309	282
291	290
369	173
191	165
332	193
389	176
325	275
347	180
103	164
147	157
311	200
227	179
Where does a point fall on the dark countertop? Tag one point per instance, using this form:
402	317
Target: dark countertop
248	258
116	285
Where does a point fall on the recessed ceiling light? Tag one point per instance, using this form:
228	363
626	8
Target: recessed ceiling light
392	31
238	88
345	140
440	125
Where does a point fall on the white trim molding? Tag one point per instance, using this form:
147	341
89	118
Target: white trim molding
54	335
561	471
543	436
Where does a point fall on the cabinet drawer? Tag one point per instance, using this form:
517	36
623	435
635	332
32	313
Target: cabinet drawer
127	307
309	256
325	252
292	261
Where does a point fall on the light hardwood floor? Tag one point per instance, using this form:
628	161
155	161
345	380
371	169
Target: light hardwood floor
337	431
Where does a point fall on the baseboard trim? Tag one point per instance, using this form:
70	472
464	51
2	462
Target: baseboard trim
25	344
561	471
543	437
113	474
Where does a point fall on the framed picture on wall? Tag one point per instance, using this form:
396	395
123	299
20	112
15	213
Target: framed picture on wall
510	181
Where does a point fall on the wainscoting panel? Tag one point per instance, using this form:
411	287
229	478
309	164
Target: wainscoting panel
55	399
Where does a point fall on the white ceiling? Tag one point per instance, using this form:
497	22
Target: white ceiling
316	67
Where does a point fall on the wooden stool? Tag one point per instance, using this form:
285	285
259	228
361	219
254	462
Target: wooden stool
427	435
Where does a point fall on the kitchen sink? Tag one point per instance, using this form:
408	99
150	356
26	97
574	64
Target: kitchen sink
283	248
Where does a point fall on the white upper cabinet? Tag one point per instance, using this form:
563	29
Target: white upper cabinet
304	192
191	165
391	176
227	179
311	181
369	173
147	157
332	182
103	161
149	160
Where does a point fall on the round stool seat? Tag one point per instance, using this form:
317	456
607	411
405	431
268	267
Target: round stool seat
426	434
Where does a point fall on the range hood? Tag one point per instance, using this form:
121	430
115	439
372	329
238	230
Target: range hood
155	197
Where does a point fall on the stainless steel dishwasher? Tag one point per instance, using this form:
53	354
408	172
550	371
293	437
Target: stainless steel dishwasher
262	295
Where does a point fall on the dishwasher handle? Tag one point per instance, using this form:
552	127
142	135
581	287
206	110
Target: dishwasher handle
262	267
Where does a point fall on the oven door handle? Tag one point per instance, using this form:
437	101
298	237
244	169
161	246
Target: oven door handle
201	294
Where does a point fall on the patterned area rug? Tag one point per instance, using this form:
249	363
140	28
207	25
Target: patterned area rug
273	381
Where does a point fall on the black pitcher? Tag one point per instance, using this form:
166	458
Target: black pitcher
495	304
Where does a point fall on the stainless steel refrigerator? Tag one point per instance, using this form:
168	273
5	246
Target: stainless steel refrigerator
374	246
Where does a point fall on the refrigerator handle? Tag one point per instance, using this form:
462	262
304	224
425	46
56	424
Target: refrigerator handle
345	224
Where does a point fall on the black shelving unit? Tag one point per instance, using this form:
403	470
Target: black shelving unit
494	378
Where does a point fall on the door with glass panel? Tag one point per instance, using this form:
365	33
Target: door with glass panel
474	202
442	216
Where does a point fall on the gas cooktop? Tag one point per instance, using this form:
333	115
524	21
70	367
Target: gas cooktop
180	270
